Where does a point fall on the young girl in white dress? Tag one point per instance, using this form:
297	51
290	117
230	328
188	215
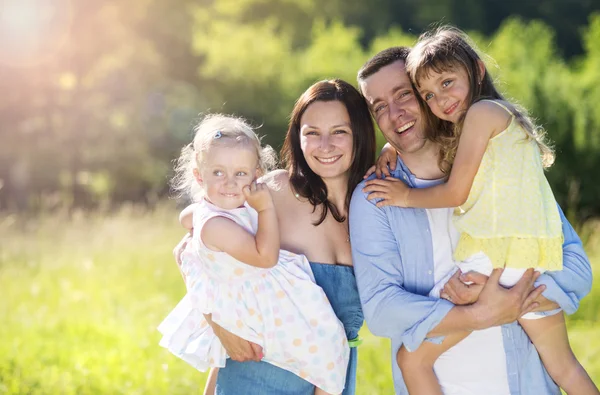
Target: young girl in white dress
235	273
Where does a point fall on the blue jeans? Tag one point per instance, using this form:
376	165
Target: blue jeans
262	378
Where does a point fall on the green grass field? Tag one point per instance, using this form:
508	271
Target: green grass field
80	300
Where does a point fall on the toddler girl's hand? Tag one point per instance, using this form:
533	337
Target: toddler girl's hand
258	196
386	162
392	191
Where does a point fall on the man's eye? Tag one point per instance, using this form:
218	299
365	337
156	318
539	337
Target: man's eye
241	173
218	173
379	108
446	83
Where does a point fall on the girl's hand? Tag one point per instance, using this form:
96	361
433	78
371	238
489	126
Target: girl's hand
386	162
464	288
258	196
393	191
238	349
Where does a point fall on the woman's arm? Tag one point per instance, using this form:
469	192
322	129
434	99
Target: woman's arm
238	349
186	217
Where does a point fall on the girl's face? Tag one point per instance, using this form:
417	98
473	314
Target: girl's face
224	172
446	93
326	138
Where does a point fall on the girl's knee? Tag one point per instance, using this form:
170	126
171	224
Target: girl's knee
408	361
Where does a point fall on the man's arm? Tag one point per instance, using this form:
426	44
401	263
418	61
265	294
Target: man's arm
568	286
392	311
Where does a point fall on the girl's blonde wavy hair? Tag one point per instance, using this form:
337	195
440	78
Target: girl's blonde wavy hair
444	49
216	130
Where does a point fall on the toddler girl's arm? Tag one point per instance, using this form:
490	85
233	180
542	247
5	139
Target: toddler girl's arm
482	122
260	250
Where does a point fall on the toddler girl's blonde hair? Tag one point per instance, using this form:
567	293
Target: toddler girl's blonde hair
217	130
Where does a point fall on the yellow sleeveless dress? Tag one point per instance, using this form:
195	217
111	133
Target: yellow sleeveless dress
511	214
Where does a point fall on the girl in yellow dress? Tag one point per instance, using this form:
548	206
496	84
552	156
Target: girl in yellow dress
505	209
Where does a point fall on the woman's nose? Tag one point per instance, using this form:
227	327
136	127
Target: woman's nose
325	143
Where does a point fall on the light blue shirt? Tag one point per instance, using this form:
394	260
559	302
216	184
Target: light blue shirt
392	253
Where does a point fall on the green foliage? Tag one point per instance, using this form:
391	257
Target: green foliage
80	306
98	115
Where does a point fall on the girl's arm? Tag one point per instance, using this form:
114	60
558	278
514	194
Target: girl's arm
386	162
483	121
260	250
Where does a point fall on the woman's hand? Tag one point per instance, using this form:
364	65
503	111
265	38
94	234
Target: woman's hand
386	162
238	349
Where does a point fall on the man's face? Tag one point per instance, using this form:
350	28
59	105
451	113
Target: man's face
395	108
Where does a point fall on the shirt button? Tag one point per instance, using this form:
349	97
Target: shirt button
429	272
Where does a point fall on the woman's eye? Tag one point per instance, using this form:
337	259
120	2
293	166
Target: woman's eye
428	96
339	131
241	173
218	173
446	83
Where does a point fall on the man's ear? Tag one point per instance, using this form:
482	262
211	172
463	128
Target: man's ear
481	67
197	176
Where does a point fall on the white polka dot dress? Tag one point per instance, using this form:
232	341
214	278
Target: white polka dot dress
281	309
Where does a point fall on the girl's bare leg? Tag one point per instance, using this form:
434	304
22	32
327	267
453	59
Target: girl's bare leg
211	382
417	366
549	336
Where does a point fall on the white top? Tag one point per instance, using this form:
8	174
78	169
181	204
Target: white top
476	365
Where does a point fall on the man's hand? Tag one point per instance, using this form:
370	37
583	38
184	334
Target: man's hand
464	288
238	349
498	306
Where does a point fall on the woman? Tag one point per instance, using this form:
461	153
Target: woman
329	146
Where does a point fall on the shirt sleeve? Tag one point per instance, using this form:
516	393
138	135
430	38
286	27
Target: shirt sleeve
568	286
390	310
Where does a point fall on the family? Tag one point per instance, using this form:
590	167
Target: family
451	243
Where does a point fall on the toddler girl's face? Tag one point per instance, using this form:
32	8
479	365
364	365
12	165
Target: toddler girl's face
446	93
224	172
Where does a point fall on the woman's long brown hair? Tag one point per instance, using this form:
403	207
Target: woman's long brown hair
306	182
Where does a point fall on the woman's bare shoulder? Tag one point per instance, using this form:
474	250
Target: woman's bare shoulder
278	181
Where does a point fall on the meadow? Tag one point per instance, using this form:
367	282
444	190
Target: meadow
81	296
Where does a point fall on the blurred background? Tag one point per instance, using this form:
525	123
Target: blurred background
98	97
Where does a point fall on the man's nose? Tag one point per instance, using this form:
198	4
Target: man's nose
396	111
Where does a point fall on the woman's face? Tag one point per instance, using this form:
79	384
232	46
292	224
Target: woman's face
326	139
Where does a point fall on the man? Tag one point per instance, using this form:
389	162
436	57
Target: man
398	253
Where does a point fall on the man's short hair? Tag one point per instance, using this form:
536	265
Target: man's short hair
380	60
